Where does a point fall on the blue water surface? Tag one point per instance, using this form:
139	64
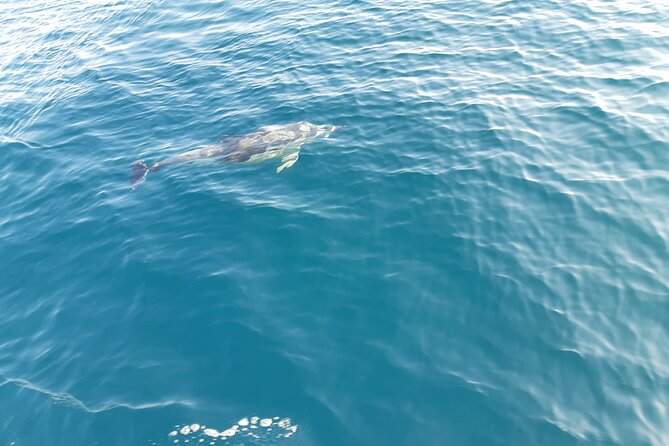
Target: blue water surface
480	258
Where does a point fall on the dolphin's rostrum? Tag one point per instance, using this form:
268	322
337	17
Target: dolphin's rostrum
272	141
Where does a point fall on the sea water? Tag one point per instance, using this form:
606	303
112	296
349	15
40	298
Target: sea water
480	257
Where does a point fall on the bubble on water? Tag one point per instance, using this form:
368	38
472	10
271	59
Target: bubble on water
264	429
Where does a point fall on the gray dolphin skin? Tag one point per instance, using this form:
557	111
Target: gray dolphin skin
272	141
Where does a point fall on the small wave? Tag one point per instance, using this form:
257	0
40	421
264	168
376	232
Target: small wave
66	399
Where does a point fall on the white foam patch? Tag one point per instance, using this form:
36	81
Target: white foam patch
228	433
238	433
211	432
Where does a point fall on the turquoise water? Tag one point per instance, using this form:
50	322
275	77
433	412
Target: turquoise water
479	258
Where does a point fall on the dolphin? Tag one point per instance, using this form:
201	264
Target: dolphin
273	141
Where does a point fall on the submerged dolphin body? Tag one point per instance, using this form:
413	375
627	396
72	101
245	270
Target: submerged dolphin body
272	141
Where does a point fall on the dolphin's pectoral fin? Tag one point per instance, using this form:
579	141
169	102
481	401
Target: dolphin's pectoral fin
288	161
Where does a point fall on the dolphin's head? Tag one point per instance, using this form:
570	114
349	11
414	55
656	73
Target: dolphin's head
326	130
309	130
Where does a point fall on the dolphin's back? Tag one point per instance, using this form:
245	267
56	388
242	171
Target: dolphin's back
256	143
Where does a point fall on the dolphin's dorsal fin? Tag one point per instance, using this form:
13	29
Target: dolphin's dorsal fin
226	138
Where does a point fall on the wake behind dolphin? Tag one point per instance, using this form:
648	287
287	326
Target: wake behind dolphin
272	141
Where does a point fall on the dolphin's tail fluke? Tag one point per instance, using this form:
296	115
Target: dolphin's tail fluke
139	172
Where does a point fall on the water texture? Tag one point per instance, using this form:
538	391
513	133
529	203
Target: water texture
480	258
